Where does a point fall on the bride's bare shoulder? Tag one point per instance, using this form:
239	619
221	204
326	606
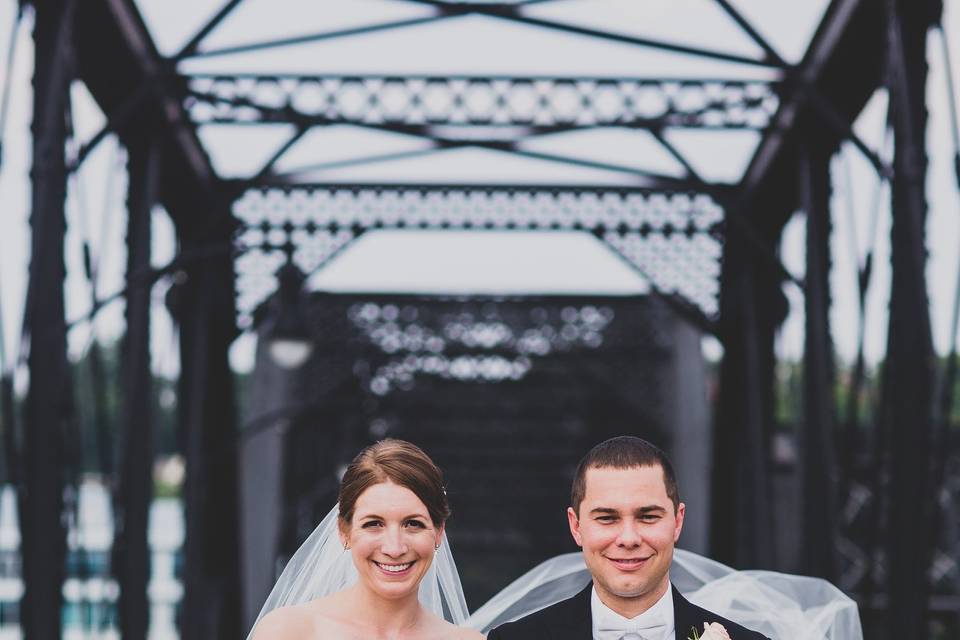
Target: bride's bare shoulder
315	619
286	622
442	629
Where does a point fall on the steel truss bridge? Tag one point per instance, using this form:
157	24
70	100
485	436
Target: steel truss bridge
708	247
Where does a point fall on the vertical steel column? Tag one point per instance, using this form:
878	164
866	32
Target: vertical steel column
742	535
909	368
47	400
205	309
135	489
815	438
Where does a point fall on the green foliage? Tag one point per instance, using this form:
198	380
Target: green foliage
788	394
97	387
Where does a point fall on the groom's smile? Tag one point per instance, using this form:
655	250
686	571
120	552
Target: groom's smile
629	564
627	526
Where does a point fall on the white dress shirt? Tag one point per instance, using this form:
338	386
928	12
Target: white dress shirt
656	623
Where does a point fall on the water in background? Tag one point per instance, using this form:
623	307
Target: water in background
90	594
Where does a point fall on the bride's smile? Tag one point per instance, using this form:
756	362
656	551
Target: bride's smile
392	539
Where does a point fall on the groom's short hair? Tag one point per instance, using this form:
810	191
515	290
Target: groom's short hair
623	452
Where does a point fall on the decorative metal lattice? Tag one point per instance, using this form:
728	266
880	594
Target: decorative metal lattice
573	102
862	548
478	345
673	240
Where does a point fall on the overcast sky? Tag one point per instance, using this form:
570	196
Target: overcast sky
471	261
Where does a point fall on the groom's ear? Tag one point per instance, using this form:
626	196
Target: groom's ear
678	527
574	521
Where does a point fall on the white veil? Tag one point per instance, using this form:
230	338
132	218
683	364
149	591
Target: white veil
781	606
321	567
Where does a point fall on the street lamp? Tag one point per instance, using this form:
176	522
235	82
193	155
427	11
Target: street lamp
289	343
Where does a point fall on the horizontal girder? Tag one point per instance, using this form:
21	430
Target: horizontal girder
548	103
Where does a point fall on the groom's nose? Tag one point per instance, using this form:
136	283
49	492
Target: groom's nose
628	536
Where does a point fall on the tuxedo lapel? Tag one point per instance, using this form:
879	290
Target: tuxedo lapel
574	620
686	617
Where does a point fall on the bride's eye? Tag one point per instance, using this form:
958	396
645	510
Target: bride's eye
416	524
369	524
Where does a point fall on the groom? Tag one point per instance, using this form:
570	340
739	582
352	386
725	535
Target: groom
626	515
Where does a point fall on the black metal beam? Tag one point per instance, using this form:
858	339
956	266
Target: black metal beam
754	35
651	179
752	307
135	488
314	37
268	167
692	173
11	443
643	184
117	60
815	435
513	13
485	77
447	187
710	54
41	518
741	503
599	229
669	182
908	373
300	173
194	42
845	35
204	311
819	53
116	120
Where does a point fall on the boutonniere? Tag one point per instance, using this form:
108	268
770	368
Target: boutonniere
711	631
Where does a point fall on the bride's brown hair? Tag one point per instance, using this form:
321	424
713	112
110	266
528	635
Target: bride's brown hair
401	463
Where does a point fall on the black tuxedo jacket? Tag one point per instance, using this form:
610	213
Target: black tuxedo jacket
572	620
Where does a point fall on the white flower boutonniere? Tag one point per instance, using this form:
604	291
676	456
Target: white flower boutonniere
711	631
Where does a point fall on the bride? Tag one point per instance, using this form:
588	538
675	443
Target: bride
379	566
392	510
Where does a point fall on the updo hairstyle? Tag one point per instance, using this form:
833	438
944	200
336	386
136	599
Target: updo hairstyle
401	463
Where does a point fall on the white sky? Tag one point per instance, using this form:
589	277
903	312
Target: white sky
482	262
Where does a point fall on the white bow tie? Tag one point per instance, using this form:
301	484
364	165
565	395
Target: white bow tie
650	627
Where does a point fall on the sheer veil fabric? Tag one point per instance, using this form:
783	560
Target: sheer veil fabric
781	606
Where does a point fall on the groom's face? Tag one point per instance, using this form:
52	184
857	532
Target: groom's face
627	527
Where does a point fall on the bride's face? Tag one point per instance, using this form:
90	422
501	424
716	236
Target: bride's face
392	540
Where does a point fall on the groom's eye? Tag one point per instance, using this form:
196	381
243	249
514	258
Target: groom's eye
606	519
